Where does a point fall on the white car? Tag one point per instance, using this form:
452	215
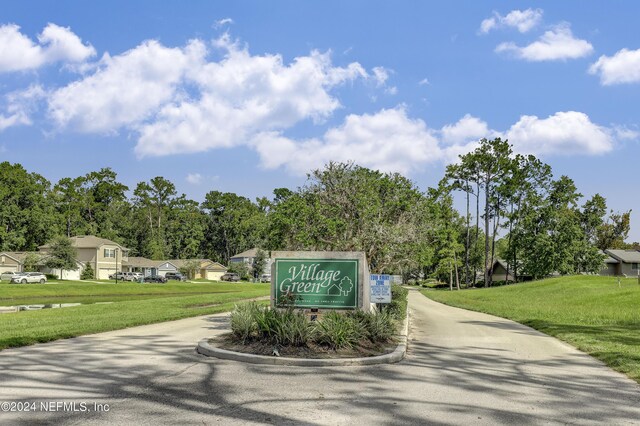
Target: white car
29	277
8	276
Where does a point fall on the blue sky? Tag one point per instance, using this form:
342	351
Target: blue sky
248	96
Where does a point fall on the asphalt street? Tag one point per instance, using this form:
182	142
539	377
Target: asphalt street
461	368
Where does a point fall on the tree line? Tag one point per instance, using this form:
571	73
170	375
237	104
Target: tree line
515	210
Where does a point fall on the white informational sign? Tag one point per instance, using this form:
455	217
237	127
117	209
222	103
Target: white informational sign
380	288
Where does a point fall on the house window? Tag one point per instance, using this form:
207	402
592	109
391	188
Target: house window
110	252
634	266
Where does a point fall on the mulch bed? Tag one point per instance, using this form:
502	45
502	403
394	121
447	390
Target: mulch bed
364	349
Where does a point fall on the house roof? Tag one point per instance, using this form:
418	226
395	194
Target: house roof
141	262
204	263
624	256
19	256
88	241
248	253
607	258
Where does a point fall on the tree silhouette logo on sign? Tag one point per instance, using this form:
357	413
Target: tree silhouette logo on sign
317	283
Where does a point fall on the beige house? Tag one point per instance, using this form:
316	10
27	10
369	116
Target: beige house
622	263
12	261
105	256
207	269
248	256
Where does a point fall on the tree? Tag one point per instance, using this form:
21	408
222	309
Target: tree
31	261
259	263
240	268
62	255
233	224
190	268
27	215
612	233
154	200
88	272
350	208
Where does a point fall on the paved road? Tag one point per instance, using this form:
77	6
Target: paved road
461	368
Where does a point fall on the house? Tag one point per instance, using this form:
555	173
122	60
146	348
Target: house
610	265
248	256
14	261
105	256
624	262
146	267
498	271
206	269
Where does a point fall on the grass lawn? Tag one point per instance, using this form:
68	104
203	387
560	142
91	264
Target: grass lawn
590	312
133	304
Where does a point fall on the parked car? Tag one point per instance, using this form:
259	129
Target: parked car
175	276
126	276
230	276
265	278
8	276
29	277
155	279
137	276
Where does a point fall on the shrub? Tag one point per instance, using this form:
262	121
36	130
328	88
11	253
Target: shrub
243	321
398	306
283	327
51	276
338	330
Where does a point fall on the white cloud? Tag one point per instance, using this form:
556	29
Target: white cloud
56	44
388	140
243	95
126	88
222	22
424	81
555	44
523	20
623	67
391	141
20	105
194	178
380	74
564	133
465	130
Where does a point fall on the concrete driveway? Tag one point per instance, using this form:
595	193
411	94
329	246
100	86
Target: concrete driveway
461	368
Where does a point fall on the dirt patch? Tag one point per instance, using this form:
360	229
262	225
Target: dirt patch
312	351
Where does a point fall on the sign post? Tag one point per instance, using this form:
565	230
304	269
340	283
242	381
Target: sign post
380	286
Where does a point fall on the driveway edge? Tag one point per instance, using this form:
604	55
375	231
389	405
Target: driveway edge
397	355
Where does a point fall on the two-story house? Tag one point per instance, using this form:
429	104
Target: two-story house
105	256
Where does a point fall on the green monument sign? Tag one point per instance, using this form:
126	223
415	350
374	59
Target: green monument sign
317	283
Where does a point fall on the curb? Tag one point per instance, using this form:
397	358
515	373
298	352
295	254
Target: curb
204	348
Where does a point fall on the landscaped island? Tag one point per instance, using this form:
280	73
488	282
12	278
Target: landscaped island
593	313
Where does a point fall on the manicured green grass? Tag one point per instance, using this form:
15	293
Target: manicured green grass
11	294
162	303
590	312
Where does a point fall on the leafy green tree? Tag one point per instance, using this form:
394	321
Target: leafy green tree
27	215
259	263
31	261
612	233
154	200
347	207
240	268
61	255
234	224
190	268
